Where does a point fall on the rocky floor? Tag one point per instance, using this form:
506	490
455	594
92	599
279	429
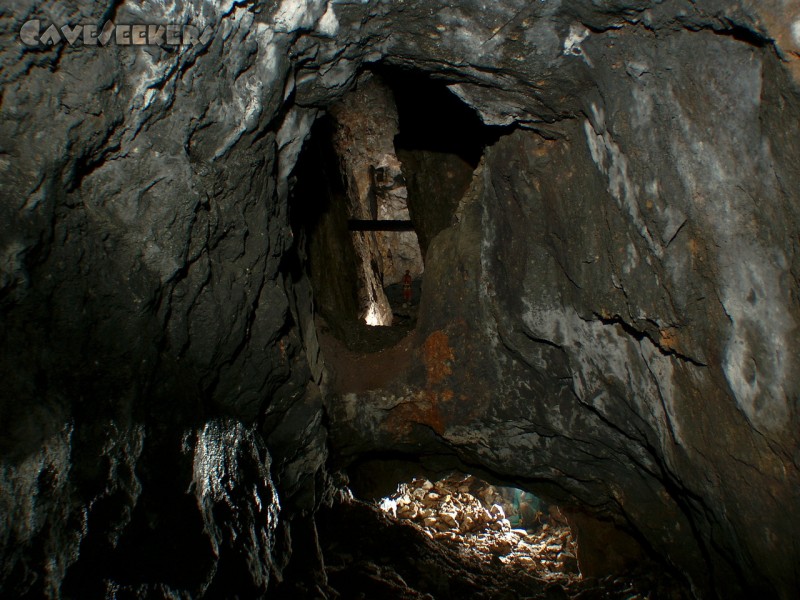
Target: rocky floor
435	541
475	518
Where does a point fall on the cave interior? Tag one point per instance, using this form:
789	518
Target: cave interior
407	300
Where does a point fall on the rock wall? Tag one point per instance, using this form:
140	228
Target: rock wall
611	320
436	183
147	296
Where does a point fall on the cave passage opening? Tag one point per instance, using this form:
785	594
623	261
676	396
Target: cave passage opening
500	525
381	174
490	522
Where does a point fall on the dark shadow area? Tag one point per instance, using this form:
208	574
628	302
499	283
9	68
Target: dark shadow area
318	216
440	143
434	119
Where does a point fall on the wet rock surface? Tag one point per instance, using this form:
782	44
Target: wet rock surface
609	314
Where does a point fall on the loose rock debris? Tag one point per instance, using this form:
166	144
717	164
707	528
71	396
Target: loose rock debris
369	554
476	519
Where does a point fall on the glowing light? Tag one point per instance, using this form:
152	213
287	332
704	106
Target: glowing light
373	317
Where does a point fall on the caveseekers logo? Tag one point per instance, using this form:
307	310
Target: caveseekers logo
35	35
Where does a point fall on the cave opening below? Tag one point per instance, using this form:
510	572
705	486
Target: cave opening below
503	526
381	174
455	535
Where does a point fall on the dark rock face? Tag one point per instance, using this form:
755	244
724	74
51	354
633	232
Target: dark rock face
610	320
437	181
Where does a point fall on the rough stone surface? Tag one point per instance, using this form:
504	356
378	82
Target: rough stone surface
436	183
611	321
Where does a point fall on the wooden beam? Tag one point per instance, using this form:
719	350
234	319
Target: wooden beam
379	225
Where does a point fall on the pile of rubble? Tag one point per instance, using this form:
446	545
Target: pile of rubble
499	526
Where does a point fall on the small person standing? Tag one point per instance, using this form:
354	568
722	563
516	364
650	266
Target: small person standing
407	288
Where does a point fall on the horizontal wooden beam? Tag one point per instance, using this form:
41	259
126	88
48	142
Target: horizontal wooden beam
379	225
